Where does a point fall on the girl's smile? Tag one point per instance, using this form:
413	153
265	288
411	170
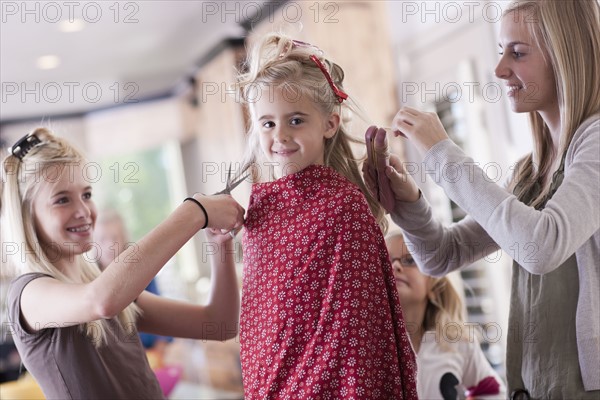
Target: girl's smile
292	132
64	214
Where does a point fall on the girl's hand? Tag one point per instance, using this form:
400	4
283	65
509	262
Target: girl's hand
423	129
221	237
223	211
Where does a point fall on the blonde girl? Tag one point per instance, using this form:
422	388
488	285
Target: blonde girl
449	357
74	326
320	316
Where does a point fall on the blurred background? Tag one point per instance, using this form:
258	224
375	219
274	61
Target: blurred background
142	88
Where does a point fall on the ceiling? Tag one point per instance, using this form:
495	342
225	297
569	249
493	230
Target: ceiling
126	51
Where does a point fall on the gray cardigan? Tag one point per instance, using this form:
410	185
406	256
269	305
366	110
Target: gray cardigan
539	241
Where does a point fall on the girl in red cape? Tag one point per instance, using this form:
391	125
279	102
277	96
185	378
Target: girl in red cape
320	313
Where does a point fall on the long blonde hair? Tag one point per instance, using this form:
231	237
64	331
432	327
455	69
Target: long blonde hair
277	60
22	180
570	33
444	305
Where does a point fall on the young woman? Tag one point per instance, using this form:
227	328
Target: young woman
548	218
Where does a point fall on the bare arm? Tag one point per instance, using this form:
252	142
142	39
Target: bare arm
47	301
217	320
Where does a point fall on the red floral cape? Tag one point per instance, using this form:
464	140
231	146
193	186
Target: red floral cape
320	313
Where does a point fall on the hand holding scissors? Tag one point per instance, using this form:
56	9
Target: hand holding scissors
230	185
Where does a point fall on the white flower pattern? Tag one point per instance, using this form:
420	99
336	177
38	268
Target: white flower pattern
320	313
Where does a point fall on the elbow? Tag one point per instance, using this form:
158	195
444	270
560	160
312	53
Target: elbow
102	305
538	260
435	273
230	332
105	310
435	268
225	327
222	331
539	266
230	327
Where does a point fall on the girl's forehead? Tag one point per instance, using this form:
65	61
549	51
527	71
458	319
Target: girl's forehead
288	91
397	240
285	100
63	177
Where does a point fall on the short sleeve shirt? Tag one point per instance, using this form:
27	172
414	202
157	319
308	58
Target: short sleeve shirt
67	364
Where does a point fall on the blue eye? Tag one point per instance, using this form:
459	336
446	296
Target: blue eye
62	200
296	121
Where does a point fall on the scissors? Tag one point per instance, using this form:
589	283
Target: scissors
231	183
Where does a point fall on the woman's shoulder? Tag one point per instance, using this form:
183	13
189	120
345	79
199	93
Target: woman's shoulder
588	130
586	141
592	124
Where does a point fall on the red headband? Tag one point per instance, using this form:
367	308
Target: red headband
339	93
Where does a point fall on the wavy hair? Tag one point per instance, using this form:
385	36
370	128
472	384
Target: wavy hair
279	61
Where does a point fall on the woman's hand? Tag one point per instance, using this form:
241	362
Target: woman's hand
423	129
376	163
396	178
223	211
403	185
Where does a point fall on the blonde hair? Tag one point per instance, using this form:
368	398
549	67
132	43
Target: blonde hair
444	305
278	61
569	33
22	180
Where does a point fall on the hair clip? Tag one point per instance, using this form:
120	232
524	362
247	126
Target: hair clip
22	147
340	94
297	43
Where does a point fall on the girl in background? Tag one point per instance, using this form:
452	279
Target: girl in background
74	326
320	313
432	306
